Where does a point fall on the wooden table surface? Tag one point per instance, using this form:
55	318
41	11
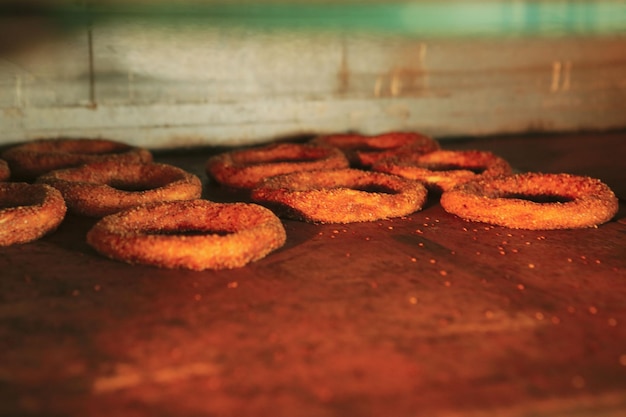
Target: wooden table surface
421	316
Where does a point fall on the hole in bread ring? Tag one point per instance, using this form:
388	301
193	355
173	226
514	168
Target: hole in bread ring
534	201
28	211
340	196
539	198
194	234
102	188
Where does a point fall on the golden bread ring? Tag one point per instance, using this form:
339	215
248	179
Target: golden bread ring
534	201
193	234
442	170
102	188
28	211
246	168
340	196
30	160
364	151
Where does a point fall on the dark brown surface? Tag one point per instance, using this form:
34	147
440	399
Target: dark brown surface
426	315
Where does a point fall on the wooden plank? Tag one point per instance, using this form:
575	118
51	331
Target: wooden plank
165	85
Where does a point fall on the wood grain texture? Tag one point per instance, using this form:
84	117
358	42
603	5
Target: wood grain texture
182	83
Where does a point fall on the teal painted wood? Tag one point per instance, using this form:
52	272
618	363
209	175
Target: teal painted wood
485	18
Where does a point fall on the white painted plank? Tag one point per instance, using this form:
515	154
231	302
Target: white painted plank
160	86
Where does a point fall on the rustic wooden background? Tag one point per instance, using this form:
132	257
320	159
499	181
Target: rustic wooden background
163	82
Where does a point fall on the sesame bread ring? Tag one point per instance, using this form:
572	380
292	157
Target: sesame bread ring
246	168
102	188
193	234
30	160
28	211
340	196
5	172
442	170
534	201
364	151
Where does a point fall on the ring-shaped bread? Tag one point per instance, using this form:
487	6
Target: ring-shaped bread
102	188
534	201
5	172
444	169
28	211
248	167
193	234
340	196
364	151
30	160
